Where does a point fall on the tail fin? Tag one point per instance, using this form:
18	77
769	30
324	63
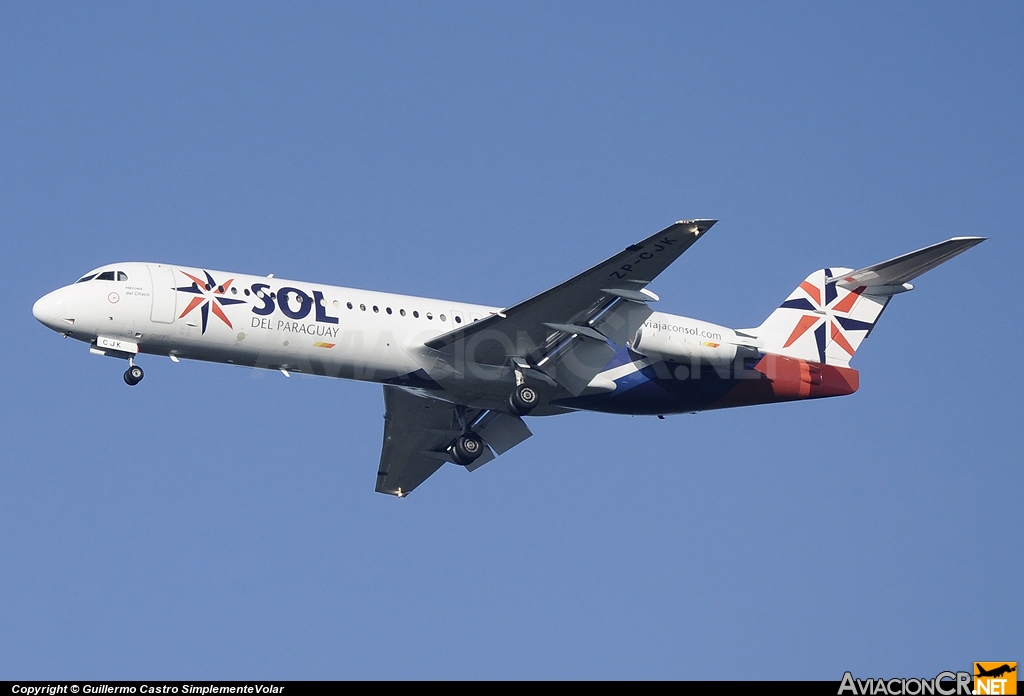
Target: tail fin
828	315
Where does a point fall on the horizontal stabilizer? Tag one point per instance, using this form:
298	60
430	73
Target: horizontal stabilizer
903	269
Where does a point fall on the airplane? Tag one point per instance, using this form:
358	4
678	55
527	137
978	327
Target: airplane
459	378
995	672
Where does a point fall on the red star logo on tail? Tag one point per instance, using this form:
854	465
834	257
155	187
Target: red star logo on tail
825	305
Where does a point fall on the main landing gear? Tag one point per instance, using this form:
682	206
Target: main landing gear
134	374
522	399
466	448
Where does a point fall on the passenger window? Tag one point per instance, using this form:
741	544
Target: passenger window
106	275
121	275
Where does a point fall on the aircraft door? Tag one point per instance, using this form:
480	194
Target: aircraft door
165	296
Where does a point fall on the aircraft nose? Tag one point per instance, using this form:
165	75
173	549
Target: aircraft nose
47	310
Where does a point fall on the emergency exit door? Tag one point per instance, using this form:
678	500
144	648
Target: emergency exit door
165	296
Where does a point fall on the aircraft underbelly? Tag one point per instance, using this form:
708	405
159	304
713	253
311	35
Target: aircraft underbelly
346	354
655	390
665	388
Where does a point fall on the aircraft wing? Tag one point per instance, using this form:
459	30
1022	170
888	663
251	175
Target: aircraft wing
564	332
418	430
903	269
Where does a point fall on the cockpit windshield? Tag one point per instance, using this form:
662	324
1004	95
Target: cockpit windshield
105	275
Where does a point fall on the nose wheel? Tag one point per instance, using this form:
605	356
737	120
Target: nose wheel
133	375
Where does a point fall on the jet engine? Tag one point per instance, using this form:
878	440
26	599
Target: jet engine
682	346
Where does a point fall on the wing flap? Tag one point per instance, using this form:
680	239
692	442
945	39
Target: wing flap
620	322
575	367
485	456
502	431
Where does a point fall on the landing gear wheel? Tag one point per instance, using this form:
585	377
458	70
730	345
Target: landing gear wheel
523	399
133	375
466	449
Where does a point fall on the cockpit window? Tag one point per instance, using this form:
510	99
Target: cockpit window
105	275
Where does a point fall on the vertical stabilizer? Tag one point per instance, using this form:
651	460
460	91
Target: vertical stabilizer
821	321
828	315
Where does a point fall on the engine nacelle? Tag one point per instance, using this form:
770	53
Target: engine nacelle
693	342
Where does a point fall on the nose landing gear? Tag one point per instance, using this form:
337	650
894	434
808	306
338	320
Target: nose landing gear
134	374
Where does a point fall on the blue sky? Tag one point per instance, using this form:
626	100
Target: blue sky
217	522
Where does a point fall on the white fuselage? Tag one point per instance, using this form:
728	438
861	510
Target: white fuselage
457	391
294	326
